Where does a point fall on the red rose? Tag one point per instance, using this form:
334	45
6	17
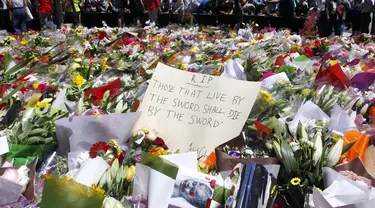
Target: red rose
357	41
308	51
213	183
120	157
42	87
102	35
317	43
160	142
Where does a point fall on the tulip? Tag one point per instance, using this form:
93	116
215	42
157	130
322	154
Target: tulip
130	173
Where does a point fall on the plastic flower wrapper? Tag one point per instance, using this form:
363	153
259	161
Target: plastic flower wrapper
359	142
233	69
81	132
307	112
226	162
303	155
341	190
340	121
65	192
152	173
331	74
23	177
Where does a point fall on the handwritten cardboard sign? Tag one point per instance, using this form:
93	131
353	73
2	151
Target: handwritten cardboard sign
196	112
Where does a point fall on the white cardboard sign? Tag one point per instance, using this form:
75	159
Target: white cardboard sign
196	112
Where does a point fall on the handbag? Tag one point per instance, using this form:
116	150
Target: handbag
29	16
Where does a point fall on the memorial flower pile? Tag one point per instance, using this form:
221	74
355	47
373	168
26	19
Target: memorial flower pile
186	117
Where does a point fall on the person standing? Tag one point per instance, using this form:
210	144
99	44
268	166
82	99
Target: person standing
356	18
58	16
238	14
153	7
366	10
45	12
18	15
136	11
74	7
120	7
4	16
286	10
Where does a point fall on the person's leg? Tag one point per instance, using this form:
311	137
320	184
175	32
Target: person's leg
155	16
16	21
23	22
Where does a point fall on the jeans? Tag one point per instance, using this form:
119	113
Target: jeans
339	27
19	20
153	16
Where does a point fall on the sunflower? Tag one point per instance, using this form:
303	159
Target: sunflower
99	149
295	181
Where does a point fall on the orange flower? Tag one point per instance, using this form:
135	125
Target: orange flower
158	151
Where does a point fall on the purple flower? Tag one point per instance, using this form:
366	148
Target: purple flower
192	70
138	158
234	153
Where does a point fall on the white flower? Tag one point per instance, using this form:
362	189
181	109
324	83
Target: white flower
295	146
152	135
110	202
295	39
82	157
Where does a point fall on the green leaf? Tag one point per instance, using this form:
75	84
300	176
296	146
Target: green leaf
7	60
34	140
302	58
38	131
17	67
6	98
287	154
218	195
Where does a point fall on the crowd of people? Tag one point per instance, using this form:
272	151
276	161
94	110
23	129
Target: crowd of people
335	15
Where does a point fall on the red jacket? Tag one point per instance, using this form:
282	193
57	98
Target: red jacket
45	6
151	5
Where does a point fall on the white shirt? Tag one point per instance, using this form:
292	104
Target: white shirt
17	3
4	4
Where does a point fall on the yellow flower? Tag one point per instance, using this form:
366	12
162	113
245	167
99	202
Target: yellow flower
35	59
295	181
36	85
266	96
194	50
44	103
320	190
238	53
130	173
114	144
98	189
78	80
158	151
103	64
24	42
180	65
306	91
